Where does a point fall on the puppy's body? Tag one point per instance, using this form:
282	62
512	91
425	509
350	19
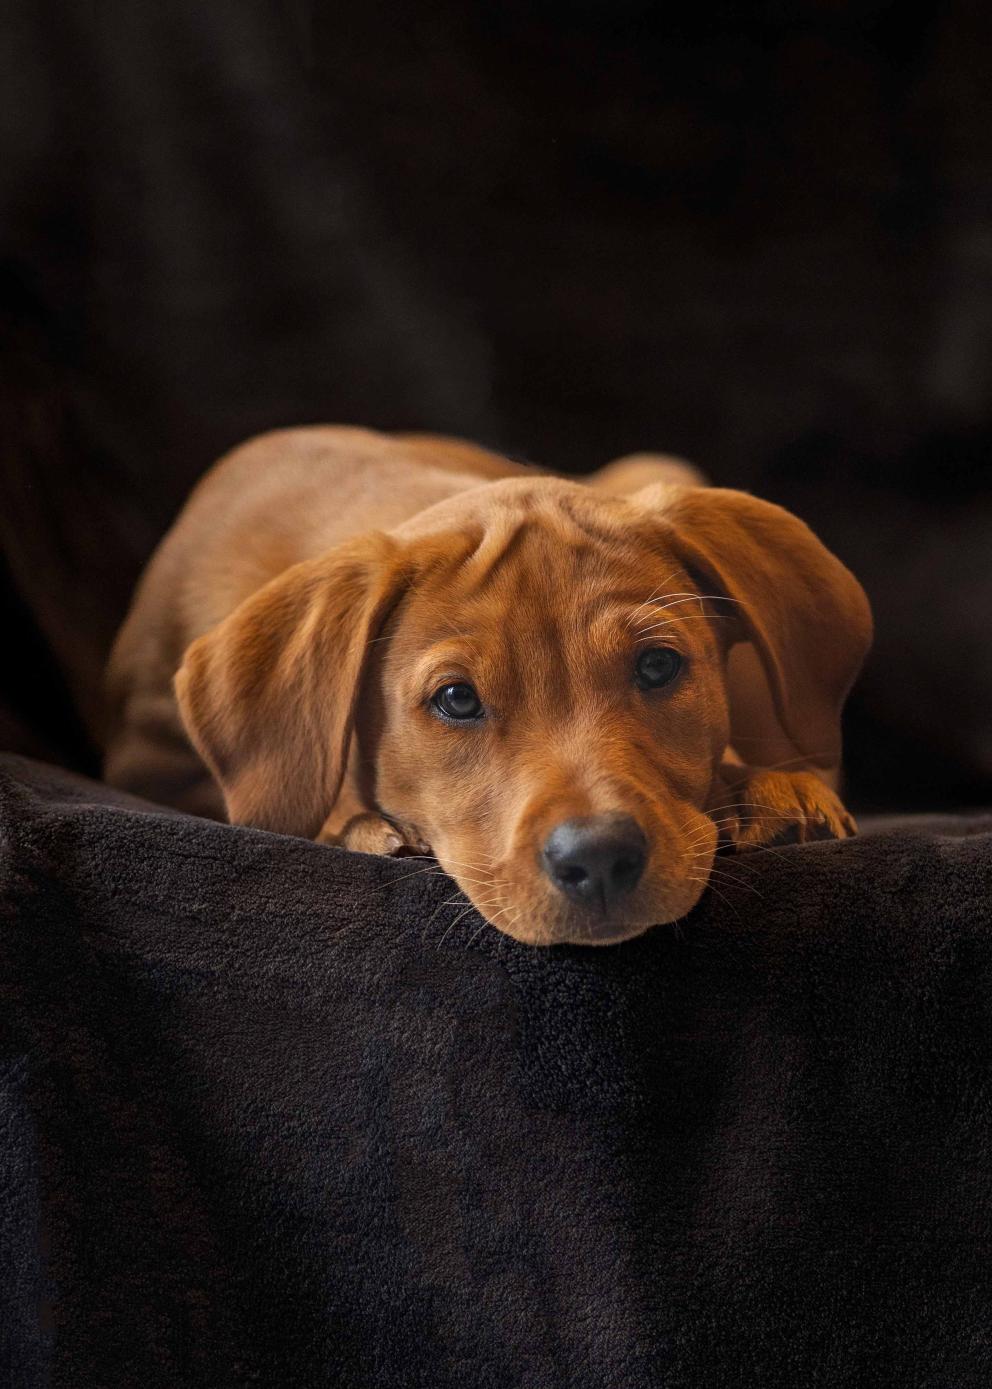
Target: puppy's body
317	575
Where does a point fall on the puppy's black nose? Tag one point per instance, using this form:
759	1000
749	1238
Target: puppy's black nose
596	859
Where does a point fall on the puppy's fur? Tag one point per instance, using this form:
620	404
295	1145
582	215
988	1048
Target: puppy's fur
280	659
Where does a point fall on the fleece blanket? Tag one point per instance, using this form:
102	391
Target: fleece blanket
270	1115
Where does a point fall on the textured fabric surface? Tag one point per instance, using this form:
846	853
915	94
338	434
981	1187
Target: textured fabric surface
270	1116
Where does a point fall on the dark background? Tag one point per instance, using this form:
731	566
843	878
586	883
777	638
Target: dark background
759	236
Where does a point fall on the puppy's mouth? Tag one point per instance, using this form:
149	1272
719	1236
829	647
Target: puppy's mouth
572	926
549	909
598	933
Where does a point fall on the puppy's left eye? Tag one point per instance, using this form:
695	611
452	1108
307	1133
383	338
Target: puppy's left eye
656	667
457	702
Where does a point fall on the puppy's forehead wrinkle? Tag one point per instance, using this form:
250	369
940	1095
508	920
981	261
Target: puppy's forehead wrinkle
542	611
497	548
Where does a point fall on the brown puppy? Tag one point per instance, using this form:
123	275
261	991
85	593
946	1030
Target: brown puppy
566	691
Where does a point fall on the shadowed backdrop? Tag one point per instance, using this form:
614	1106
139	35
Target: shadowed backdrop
762	240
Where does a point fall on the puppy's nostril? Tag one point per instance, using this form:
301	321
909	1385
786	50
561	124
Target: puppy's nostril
572	874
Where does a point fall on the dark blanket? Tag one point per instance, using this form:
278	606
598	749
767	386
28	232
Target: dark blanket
268	1117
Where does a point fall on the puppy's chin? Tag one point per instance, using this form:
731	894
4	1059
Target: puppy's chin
591	928
608	935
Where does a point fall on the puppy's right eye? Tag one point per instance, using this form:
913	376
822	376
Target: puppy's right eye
457	702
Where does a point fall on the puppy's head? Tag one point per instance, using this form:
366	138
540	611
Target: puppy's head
531	678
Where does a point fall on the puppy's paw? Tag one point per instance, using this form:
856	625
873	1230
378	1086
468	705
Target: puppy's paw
369	833
785	808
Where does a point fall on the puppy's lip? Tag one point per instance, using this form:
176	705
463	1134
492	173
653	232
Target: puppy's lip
578	933
614	937
588	925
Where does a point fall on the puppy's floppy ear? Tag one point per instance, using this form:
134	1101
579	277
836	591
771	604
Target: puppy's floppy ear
805	613
268	695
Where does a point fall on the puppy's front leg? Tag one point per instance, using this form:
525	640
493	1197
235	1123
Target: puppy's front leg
762	807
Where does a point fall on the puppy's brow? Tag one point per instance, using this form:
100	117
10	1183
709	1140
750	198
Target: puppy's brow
454	658
496	550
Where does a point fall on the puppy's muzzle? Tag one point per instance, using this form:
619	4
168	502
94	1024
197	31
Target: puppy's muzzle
596	860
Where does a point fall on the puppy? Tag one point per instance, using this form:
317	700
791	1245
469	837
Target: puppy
568	692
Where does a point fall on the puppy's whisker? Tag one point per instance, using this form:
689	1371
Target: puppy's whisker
747	851
732	880
692	617
683	617
502	911
682	595
452	924
719	823
685	596
700	839
749	805
806	759
696	848
458	863
709	820
446	934
705	839
740	865
461	900
436	871
481	907
752	850
679	599
421	872
722	827
491	920
711	887
731	885
796	817
667	621
700	834
703	836
659	594
747	887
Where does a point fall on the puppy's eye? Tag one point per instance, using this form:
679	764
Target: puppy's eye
656	667
457	702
